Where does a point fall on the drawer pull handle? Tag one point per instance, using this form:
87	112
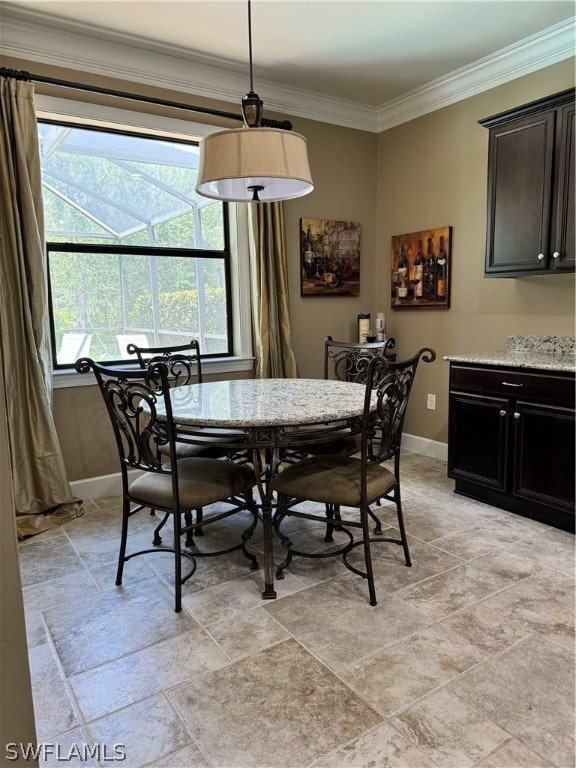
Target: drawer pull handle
541	257
502	413
509	384
556	254
516	415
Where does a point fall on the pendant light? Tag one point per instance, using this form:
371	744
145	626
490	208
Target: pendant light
253	163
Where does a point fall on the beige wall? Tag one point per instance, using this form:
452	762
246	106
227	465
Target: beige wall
16	706
426	173
432	172
343	164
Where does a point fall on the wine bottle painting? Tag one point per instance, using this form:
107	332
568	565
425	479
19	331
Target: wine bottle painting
421	267
330	257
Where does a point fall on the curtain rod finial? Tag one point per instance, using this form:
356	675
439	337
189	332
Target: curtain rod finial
17	74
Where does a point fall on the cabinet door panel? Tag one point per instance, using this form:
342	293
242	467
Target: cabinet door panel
520	175
544	462
563	238
477	446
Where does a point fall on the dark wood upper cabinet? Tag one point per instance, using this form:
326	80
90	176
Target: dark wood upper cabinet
530	226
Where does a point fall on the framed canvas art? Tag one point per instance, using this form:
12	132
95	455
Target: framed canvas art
421	266
329	257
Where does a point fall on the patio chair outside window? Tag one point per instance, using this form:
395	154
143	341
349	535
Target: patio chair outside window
73	346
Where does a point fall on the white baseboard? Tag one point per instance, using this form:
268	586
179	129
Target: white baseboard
426	447
111	485
99	487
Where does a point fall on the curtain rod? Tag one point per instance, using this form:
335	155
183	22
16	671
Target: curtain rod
28	77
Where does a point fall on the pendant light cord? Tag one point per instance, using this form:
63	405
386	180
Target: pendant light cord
250	44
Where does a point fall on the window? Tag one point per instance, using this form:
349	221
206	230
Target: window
134	254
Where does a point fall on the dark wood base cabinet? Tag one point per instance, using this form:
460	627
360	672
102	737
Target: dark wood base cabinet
511	439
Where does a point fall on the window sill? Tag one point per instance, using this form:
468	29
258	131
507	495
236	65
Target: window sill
64	379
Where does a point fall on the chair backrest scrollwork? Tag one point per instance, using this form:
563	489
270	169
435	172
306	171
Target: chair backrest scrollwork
389	385
347	361
182	362
132	397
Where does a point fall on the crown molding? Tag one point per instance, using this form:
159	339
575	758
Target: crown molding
36	36
32	36
554	44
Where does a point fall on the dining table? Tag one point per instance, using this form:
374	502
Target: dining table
266	418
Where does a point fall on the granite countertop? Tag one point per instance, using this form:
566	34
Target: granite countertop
549	353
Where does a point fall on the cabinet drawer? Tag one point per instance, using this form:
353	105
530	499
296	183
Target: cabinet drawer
536	385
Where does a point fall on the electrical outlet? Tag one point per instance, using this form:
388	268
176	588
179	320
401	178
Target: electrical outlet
431	402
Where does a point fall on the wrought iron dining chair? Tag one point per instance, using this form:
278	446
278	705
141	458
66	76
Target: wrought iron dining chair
182	360
135	400
184	366
336	480
346	361
349	361
351	445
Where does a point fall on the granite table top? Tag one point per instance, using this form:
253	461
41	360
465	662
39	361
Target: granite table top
249	403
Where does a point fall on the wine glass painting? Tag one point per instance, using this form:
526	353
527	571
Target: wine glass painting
421	269
329	257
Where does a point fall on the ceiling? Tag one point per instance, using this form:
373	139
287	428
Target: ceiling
364	53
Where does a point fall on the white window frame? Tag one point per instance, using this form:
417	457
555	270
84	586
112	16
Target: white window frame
80	113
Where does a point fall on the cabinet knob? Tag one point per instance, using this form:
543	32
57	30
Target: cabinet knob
556	254
541	257
502	413
516	415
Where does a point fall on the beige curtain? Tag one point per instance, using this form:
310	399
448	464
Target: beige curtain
270	307
41	490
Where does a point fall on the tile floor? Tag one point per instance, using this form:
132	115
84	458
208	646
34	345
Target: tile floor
468	659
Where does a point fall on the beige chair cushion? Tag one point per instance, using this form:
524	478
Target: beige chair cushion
212	447
201	481
188	451
347	445
333	480
340	441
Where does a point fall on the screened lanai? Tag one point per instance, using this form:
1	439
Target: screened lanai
134	253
